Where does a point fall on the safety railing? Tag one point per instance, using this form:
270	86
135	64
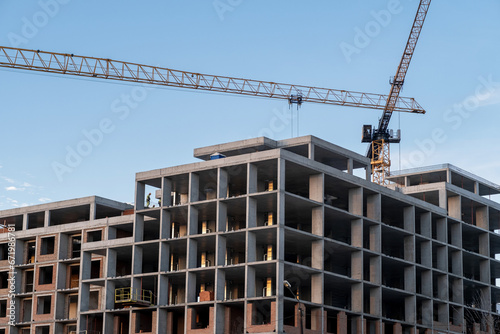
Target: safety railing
133	295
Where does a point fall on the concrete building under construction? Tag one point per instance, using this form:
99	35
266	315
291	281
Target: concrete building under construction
261	236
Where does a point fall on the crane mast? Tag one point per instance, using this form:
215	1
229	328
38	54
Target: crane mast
380	138
92	67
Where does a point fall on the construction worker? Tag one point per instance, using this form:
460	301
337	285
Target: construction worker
159	202
148	200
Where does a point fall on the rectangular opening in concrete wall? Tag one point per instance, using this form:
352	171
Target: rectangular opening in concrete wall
494	220
74	276
180	189
431	197
123	261
95	235
205	288
337	292
393	242
3	308
4	251
144	321
205	251
45	275
298	213
36	219
28	280
298	248
47	245
236	180
121	322
103	211
472	241
95	269
149	258
336	192
152	226
70	215
265	244
265	280
26	308
393	273
301	279
177	258
207	216
302	150
200	317
177	289
75	246
94	300
470	210
471	267
297	179
152	193
265	210
92	323
261	312
495	273
121	231
331	321
337	258
235	318
72	306
178	222
4	283
16	221
175	320
44	304
234	282
236	214
42	330
25	330
235	248
206	186
337	225
462	182
267	176
393	304
393	212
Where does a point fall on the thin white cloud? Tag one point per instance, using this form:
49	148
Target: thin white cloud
12	188
26	184
8	179
44	199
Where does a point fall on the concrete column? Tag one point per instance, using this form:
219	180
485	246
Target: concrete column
448	176
311	151
222	183
457	291
341	323
409	248
251	247
280	246
374	207
484	242
163	290
111	263
85	266
455	207
192	220
194	187
221	216
357	297
317	254
138	253
350	166
220	250
442	230
166	192
482	218
191	288
46	220
476	187
316	187
407	181
108	322
357	233
410	309
456	263
426	278
442	287
456	235
192	253
139	228
318	220
409	218
368	172
427	310
83	297
317	291
425	224
165	224
376	238
410	279
357	265
250	282
375	269
252	179
317	315
139	195
425	253
356	201
110	295
251	212
442	258
25	221
220	284
443	198
376	301
484	271
92	213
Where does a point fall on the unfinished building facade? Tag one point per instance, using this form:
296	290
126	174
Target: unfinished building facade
262	236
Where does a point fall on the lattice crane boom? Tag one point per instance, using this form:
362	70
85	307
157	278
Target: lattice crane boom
70	64
380	138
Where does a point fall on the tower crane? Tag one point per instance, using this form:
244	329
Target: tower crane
92	67
378	151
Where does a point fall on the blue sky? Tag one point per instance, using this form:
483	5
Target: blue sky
454	75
